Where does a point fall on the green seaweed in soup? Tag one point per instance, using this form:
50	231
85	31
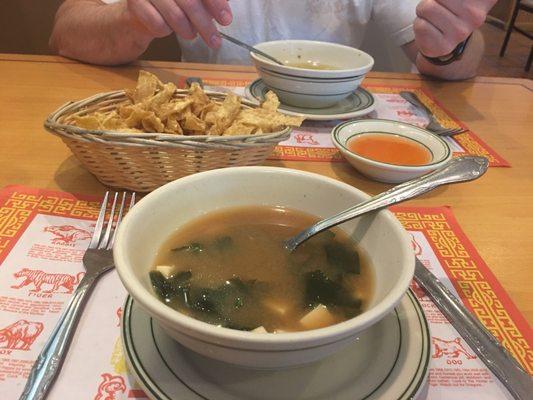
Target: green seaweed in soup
230	268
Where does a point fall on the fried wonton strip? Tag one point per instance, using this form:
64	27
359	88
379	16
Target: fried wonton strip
271	102
238	128
223	116
113	122
198	97
173	126
192	124
147	84
174	108
156	102
151	123
91	122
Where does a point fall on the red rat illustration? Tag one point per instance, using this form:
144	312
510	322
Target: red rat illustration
67	234
303	138
110	386
20	335
450	348
38	278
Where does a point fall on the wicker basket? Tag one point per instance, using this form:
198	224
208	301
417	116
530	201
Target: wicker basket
145	161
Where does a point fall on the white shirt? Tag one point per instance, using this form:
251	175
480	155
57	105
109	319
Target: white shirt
339	21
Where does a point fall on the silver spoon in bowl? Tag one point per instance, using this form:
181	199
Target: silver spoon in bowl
249	48
460	169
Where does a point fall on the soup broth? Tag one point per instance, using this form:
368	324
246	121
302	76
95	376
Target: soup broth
230	268
310	65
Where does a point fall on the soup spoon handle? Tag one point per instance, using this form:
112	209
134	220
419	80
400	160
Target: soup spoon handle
249	48
460	169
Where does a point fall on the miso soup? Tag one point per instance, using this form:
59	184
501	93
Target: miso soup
230	268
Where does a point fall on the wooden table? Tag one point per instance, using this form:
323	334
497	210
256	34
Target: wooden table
496	212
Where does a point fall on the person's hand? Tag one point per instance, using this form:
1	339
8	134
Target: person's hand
441	25
185	17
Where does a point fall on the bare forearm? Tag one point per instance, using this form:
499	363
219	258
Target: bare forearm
464	68
90	31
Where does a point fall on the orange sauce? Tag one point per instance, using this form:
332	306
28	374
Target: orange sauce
390	149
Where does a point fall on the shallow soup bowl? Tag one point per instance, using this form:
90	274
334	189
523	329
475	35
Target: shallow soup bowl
308	87
149	224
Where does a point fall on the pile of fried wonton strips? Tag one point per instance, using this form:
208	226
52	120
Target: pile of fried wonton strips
153	109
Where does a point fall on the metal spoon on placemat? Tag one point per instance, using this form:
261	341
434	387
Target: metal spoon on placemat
486	346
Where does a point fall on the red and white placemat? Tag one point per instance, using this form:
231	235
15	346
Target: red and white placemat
312	141
43	235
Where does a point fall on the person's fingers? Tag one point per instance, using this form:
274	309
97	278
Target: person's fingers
430	41
175	17
454	29
149	17
473	12
220	10
202	21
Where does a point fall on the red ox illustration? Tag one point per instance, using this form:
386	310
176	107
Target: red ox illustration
450	348
20	335
110	386
38	278
67	234
302	138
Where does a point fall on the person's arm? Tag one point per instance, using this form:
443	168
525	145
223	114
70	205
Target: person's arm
117	33
439	27
94	32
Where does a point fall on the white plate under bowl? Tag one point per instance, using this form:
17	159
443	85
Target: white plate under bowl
381	171
359	103
388	361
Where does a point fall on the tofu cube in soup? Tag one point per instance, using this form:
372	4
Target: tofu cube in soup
166	270
318	318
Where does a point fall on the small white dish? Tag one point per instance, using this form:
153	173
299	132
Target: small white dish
307	87
387	361
359	103
381	171
149	224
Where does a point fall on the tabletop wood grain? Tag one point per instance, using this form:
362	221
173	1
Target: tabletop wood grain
496	212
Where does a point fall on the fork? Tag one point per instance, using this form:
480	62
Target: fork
97	260
434	125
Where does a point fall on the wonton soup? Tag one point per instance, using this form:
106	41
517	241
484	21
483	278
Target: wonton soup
230	268
310	65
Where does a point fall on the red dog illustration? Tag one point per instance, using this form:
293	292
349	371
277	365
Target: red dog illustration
110	386
418	291
119	315
450	348
38	278
20	335
302	138
416	246
67	234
